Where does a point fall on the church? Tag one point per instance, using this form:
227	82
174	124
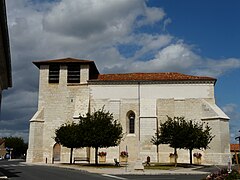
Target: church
139	101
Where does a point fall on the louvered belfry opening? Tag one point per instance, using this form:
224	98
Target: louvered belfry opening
54	73
73	74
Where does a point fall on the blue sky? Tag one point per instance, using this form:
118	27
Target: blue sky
191	37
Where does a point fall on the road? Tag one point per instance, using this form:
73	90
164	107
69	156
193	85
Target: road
17	170
20	171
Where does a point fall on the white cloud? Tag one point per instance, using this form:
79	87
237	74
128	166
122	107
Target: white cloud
174	57
14	133
166	23
232	111
230	108
216	67
149	43
151	16
94	29
85	18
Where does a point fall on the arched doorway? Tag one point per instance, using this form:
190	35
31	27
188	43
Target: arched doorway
57	152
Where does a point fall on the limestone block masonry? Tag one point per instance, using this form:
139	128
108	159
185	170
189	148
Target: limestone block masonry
148	98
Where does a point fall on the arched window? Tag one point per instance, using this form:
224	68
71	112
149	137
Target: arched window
131	122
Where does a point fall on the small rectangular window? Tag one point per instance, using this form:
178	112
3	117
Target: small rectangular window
73	74
131	126
53	76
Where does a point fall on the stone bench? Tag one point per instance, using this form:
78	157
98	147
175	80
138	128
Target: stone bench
81	159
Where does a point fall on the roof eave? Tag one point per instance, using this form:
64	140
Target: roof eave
63	62
153	81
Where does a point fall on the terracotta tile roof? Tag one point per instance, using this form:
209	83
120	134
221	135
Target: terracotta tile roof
234	147
92	64
64	60
168	76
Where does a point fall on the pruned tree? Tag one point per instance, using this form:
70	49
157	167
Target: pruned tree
198	136
100	130
156	140
182	134
70	135
170	132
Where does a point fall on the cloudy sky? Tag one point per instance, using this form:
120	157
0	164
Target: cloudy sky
193	37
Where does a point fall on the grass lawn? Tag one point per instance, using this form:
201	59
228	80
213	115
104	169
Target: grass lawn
105	165
153	166
159	167
162	166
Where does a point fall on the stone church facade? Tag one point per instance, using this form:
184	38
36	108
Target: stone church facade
139	101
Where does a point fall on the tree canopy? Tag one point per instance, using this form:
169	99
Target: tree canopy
100	130
69	135
17	144
182	134
97	130
198	136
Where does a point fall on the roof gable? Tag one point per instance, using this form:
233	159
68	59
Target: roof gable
126	77
64	61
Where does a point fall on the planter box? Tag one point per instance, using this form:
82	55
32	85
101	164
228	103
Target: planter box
123	159
197	160
172	159
102	159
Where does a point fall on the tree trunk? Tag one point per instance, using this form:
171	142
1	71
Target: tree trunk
190	154
71	153
96	155
175	156
158	153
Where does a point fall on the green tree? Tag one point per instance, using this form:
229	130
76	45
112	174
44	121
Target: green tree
100	130
198	136
17	144
170	132
182	134
70	135
156	140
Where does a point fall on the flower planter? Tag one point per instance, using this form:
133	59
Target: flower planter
197	160
102	159
123	159
172	159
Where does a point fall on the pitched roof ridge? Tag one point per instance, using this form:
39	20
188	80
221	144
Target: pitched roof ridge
67	59
156	76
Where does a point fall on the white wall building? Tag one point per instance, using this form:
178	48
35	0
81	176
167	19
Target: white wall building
69	87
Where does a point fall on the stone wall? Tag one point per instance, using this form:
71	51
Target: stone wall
60	102
151	103
191	107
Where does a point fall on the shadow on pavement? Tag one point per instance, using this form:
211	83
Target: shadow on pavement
8	172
